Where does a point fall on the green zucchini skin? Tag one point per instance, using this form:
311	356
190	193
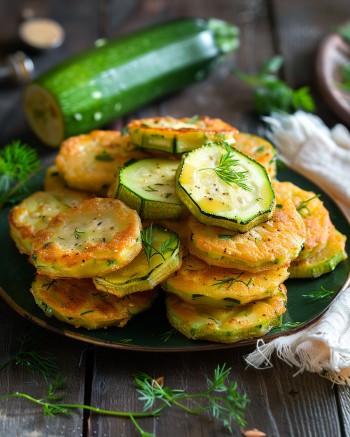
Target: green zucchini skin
103	83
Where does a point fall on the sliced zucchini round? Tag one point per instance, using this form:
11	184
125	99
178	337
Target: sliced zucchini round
148	187
36	212
323	261
53	179
226	325
90	162
270	245
92	239
259	149
177	136
196	282
77	302
223	187
316	218
151	266
180	228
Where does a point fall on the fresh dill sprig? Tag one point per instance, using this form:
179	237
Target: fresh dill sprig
167	335
231	281
33	353
77	234
321	295
272	94
303	205
230	406
147	241
226	169
285	327
17	162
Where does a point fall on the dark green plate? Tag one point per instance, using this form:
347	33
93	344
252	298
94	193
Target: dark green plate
147	329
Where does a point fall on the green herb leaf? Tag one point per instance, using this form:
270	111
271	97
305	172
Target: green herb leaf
17	162
144	124
87	312
77	234
322	295
125	131
104	157
44	220
151	189
226	169
286	326
303	205
272	94
167	335
344	31
194	296
225	237
193	119
231	281
168	195
111	262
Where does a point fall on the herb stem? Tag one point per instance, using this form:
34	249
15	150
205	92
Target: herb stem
84	407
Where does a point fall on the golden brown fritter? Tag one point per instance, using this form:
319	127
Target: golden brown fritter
92	239
318	225
198	283
76	301
226	325
270	245
36	212
90	162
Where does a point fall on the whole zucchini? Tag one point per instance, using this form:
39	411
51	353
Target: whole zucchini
104	83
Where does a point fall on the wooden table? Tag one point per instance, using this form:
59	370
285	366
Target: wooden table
281	404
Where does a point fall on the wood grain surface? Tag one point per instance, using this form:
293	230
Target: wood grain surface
281	404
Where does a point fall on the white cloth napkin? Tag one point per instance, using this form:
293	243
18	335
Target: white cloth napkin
305	144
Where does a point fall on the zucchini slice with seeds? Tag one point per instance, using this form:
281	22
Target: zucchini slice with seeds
323	261
53	180
141	274
36	212
92	239
77	302
223	187
270	245
196	282
259	149
226	325
177	136
148	187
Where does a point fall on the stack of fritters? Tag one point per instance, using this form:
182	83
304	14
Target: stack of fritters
97	265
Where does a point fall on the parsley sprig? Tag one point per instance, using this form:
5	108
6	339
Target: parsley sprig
17	162
272	94
226	169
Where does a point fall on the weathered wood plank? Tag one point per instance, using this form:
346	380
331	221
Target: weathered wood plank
344	401
21	417
280	404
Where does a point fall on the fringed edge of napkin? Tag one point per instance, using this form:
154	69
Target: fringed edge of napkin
260	359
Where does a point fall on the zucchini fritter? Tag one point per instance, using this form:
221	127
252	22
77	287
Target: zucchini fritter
171	136
76	301
323	261
92	239
259	149
90	162
36	212
270	245
142	274
226	325
53	180
198	283
316	217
